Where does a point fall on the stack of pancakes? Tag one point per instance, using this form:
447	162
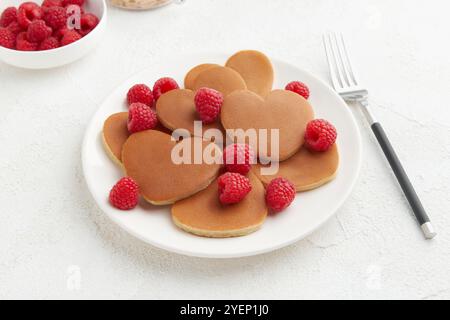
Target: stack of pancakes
246	82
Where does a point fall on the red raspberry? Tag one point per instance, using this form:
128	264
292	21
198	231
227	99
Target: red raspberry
58	34
49	43
233	187
23	44
69	2
15	28
38	31
69	37
88	22
279	194
141	117
8	16
125	194
72	9
320	135
7	38
208	103
27	13
238	158
52	3
140	93
299	88
162	86
55	17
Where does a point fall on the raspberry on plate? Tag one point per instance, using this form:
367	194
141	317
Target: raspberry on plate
299	88
52	3
38	31
233	187
238	157
141	117
7	38
125	194
140	93
320	135
162	86
27	13
88	22
69	37
55	17
279	194
49	43
208	103
8	16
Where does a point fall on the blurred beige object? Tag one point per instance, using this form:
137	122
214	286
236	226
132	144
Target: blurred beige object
139	4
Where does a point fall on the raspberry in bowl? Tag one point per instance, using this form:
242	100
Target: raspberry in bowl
45	34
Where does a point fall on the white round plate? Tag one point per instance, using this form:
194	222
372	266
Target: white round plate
153	224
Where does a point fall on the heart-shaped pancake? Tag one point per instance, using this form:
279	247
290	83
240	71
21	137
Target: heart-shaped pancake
306	169
222	79
255	68
194	72
115	133
283	110
176	110
147	158
204	215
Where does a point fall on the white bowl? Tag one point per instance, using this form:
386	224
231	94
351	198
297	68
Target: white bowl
60	56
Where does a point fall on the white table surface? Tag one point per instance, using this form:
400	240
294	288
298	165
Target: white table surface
56	243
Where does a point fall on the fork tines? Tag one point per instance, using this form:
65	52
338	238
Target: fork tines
341	71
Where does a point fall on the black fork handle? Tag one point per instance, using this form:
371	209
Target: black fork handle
403	179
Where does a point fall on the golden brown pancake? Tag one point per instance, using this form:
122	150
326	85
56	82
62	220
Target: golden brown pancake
204	215
255	68
306	169
194	72
222	79
115	133
176	110
146	157
283	110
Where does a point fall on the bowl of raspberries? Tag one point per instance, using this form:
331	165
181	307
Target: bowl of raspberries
45	34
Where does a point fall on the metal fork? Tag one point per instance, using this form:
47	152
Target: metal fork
346	84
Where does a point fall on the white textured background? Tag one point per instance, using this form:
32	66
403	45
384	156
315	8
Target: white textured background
55	243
